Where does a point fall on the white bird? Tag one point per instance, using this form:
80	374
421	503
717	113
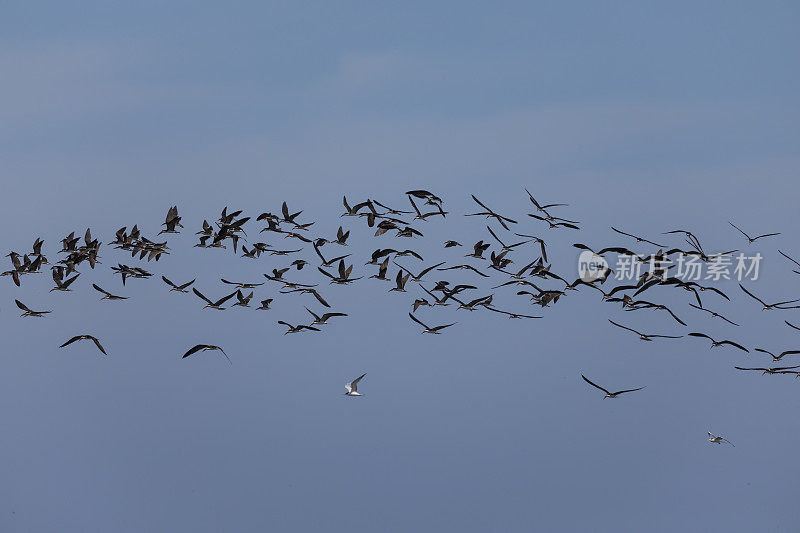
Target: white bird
717	439
352	386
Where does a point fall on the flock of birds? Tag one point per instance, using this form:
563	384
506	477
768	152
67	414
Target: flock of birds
229	231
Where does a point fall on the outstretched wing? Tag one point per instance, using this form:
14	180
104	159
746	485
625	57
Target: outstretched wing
595	385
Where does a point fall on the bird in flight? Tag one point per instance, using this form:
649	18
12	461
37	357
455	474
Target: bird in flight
646	337
778	357
85	337
608	394
435	330
751	240
107	295
206	347
352	386
769	307
178	288
28	312
717	439
715	343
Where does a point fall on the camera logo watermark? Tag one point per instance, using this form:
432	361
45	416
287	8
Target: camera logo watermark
591	266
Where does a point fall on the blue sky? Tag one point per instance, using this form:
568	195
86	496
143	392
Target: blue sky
640	116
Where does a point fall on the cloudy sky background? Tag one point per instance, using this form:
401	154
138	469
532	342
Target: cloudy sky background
639	116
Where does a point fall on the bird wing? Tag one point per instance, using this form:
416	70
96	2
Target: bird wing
736	345
739	230
595	385
751	295
99	346
200	294
627	390
415	319
97	288
73	339
195	349
624	327
320	298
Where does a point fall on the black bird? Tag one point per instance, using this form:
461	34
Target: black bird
243	285
243	301
751	240
533	238
712	313
85	337
214	305
352	211
638	239
107	295
435	330
62	285
325	262
491	214
178	288
792	260
324	318
172	221
771	306
341	236
344	274
450	244
715	343
382	269
554	222
206	347
27	312
780	356
504	245
296	329
645	337
479	248
390	210
419	277
419	302
771	370
265	304
608	394
510	315
404	253
309	290
400	282
424	216
464	267
540	207
634	305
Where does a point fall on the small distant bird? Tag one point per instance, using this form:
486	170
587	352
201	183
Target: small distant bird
324	318
717	439
296	329
751	240
107	295
608	394
85	337
435	330
352	386
178	288
205	347
715	343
